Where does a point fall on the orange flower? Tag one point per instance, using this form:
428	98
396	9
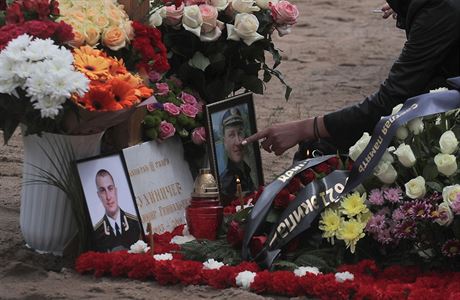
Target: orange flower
100	98
117	67
137	82
123	92
94	67
144	92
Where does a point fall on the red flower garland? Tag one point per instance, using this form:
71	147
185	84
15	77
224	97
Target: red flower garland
395	282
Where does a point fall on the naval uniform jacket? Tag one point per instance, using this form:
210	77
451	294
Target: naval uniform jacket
430	55
106	240
228	179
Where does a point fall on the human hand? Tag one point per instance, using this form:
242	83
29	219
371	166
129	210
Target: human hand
280	137
388	11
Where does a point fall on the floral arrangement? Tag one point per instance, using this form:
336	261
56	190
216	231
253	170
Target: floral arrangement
177	111
42	80
111	86
415	205
364	280
96	22
218	47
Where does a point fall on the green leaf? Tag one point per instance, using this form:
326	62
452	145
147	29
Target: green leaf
284	265
308	260
254	84
434	186
430	171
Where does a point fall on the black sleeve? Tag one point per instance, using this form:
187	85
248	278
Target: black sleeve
433	33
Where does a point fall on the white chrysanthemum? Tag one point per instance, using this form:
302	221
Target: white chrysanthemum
342	276
302	271
164	256
212	264
244	279
79	82
49	106
139	247
17	46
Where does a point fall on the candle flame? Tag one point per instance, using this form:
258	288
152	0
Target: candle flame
238	180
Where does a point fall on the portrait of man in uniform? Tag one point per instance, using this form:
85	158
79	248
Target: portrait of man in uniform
110	203
229	122
116	229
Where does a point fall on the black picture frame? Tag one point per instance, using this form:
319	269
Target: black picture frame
220	161
102	234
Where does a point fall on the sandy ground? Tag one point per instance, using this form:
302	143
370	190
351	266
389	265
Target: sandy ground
338	53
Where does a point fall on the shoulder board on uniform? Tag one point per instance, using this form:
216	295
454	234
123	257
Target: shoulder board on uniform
128	215
99	223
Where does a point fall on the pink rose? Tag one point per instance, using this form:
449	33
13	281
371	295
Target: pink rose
166	130
284	12
194	2
171	108
151	107
199	135
187	98
209	14
199	105
162	89
189	110
174	14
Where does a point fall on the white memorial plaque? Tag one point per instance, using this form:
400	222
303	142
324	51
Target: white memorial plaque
162	182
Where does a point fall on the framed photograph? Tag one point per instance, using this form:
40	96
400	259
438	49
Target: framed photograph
228	123
110	203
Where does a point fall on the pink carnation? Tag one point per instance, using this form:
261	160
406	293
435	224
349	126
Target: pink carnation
189	110
187	98
166	130
171	108
199	135
162	89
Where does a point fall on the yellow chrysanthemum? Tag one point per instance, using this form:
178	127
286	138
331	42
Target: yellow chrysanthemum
353	205
330	224
94	67
351	232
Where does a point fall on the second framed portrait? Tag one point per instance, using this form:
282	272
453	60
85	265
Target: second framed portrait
228	123
110	203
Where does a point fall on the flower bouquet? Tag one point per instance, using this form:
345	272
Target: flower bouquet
218	47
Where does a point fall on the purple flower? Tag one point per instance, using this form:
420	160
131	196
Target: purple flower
376	224
393	195
154	76
162	89
420	210
451	248
455	205
376	197
398	215
406	230
384	237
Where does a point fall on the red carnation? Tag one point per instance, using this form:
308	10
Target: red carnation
257	244
323	168
235	234
40	29
307	176
294	185
164	272
64	32
334	162
229	210
188	272
283	199
14	14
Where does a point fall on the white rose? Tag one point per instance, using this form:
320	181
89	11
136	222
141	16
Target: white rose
385	172
139	247
245	28
212	264
244	6
342	276
449	193
396	109
446	216
358	148
446	163
402	133
448	142
219	4
264	4
416	126
156	19
405	155
415	188
192	20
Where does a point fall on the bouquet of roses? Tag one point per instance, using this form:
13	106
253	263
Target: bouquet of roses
218	47
42	83
177	112
415	206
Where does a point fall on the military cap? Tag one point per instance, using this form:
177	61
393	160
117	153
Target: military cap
232	117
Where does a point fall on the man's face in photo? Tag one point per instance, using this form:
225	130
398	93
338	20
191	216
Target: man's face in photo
233	136
107	192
